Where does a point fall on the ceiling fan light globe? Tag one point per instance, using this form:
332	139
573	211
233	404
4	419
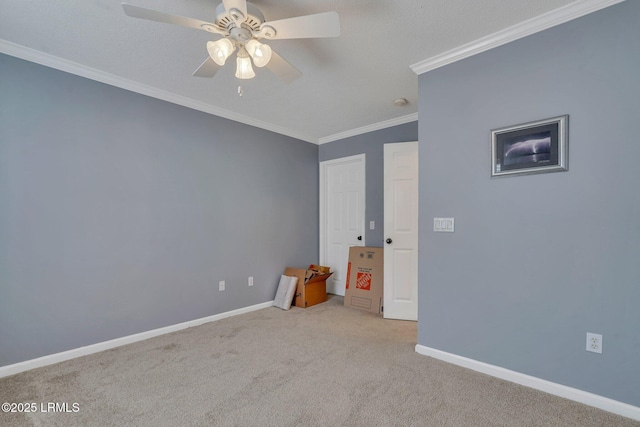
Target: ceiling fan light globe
261	53
243	68
220	50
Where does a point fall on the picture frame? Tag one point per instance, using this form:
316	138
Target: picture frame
540	146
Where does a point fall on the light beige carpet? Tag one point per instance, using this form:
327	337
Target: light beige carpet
326	365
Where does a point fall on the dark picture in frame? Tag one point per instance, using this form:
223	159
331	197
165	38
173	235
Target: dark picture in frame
534	147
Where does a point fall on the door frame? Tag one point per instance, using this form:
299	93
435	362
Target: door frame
323	205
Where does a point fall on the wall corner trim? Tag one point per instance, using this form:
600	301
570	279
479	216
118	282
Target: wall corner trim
50	359
534	25
560	390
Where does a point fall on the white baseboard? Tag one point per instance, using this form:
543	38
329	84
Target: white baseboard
560	390
50	359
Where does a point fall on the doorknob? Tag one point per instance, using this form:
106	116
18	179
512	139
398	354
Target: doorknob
359	237
389	241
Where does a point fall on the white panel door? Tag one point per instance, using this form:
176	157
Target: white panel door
342	209
401	231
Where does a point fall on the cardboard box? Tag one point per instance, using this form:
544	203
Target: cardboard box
320	268
312	286
365	276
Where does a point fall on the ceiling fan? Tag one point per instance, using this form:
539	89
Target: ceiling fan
242	26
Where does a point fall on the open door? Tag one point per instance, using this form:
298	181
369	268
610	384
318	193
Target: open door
342	210
401	231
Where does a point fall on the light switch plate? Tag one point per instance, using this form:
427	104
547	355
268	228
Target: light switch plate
443	225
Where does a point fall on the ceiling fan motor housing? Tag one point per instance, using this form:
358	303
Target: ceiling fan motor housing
252	22
241	35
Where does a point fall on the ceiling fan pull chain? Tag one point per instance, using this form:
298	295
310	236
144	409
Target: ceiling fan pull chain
240	93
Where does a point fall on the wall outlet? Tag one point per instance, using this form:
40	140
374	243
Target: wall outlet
221	285
250	280
594	343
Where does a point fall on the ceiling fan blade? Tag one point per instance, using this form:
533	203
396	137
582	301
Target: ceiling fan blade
325	24
240	5
281	68
183	21
207	69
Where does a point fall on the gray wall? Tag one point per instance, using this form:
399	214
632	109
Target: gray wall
372	145
537	261
120	213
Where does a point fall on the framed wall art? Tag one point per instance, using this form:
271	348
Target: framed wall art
535	147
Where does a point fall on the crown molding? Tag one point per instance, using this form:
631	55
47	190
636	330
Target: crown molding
57	63
48	60
534	25
370	128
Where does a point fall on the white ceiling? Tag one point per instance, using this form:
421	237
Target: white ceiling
348	83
